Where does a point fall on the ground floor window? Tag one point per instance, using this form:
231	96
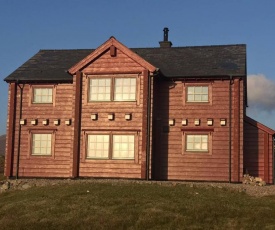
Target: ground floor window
111	146
41	144
197	141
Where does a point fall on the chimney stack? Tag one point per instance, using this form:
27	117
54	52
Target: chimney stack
165	43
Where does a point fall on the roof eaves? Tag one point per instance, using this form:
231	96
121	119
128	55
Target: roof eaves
259	125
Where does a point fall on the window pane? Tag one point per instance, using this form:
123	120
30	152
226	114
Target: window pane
42	95
123	146
196	142
41	144
125	89
197	94
100	89
98	146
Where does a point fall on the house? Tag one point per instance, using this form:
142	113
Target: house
166	113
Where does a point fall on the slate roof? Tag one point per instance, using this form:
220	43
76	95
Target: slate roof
196	61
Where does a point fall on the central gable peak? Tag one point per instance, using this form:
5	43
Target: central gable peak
111	45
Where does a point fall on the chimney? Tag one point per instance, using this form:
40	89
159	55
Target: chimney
165	43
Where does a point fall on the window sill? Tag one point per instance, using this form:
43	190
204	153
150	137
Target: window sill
110	161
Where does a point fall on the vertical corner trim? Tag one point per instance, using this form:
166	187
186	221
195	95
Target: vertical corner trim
11	130
77	124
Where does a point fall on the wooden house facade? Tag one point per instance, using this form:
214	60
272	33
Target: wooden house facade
146	113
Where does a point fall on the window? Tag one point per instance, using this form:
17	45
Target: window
98	146
100	89
41	144
125	89
112	89
111	146
197	94
123	146
195	142
42	95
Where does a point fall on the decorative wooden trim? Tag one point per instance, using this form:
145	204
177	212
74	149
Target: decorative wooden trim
113	51
118	72
105	46
236	132
144	123
266	157
10	136
197	129
110	130
77	124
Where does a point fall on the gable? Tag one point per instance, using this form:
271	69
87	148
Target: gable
107	64
111	50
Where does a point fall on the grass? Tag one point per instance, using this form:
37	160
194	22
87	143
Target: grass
134	206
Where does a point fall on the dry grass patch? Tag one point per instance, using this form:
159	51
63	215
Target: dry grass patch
119	205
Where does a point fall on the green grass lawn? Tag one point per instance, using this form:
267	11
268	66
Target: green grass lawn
120	205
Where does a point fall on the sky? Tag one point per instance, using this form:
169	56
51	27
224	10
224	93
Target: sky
26	26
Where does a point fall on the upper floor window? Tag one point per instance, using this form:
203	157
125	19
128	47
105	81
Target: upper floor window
112	89
125	89
197	94
43	95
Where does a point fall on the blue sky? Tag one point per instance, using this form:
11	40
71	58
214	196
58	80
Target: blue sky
30	25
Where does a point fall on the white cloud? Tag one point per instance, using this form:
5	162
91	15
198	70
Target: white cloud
261	93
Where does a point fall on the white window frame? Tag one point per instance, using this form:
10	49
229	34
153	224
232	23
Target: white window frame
197	94
103	91
197	143
38	99
113	88
99	149
126	87
120	149
44	141
194	151
116	151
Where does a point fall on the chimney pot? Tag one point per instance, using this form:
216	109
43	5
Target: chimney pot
165	34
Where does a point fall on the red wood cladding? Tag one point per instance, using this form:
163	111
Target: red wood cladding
123	65
11	127
258	150
169	160
59	164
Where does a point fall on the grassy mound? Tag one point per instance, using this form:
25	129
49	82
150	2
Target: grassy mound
115	205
